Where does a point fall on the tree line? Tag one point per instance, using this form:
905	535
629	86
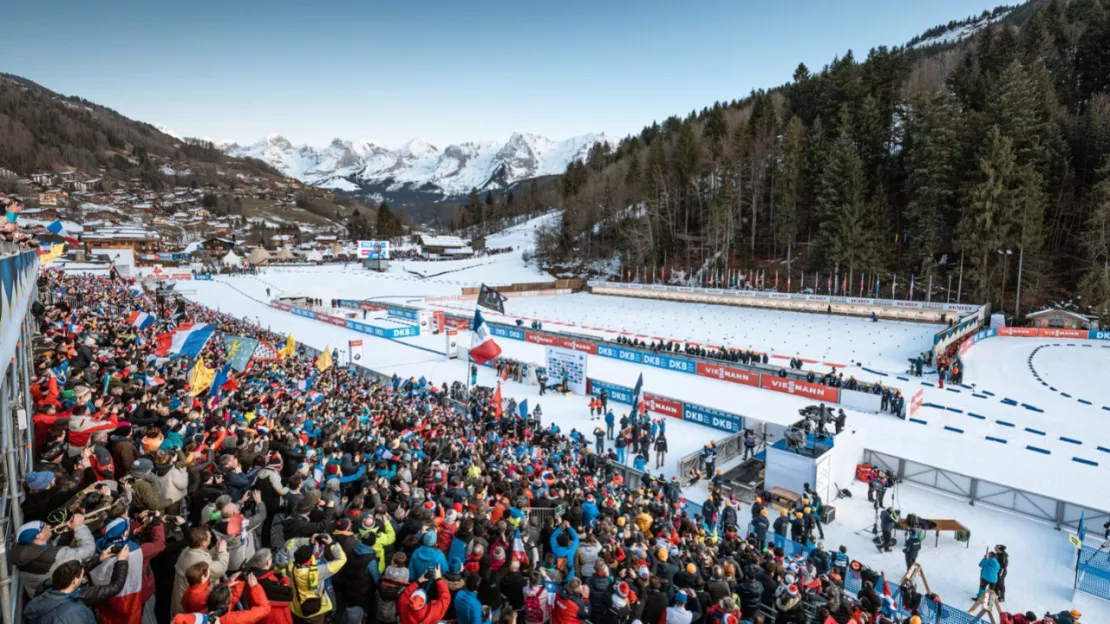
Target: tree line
915	162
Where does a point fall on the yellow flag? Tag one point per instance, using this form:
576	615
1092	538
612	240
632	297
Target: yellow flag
200	378
55	252
289	349
323	362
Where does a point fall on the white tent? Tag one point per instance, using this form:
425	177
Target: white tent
231	259
258	256
313	256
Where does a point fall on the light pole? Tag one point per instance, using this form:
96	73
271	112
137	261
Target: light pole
1005	273
1017	297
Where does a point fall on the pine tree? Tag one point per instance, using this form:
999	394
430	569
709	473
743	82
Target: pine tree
789	188
1095	284
985	224
932	181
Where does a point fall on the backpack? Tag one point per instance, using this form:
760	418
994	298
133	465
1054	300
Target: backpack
533	608
386	609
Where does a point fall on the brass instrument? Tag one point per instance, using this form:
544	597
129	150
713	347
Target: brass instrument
60	517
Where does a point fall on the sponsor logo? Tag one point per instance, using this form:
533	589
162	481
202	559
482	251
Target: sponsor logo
1051	332
541	339
331	320
1098	334
800	388
725	373
916	401
578	345
662	405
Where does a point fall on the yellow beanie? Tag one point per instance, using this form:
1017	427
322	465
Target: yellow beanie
662	554
691	568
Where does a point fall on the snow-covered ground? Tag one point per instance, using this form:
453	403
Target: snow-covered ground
954	430
838	340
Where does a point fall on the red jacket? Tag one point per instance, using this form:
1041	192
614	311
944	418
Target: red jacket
432	611
279	594
151	550
260	608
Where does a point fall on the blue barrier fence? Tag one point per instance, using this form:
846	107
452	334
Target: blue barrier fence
1093	576
692	412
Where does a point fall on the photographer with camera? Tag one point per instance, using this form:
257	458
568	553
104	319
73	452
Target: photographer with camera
67	600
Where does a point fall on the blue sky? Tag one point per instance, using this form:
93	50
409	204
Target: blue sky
447	71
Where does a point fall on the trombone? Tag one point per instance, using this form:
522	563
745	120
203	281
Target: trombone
60	517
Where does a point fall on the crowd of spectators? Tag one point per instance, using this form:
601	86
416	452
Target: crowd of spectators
286	493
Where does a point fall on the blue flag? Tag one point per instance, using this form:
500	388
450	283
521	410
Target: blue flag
240	350
55	227
523	413
219	380
635	393
1081	533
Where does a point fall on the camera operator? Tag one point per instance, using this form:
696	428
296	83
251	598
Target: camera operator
795	439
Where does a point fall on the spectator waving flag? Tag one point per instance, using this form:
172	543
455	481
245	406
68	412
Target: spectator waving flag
519	553
142	320
636	393
482	346
188	339
522	413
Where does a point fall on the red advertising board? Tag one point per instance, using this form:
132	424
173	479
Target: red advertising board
966	344
542	339
457	323
916	400
181	276
370	307
331	320
800	388
355	343
1059	332
578	345
1029	332
281	306
662	405
726	373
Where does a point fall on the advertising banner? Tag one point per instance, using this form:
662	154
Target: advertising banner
916	401
1099	334
662	405
305	312
712	418
1059	332
331	320
1025	332
541	339
281	305
373	250
402	313
799	388
501	331
619	394
570	363
727	373
204	277
618	353
668	362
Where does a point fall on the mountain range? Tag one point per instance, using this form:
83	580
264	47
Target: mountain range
419	171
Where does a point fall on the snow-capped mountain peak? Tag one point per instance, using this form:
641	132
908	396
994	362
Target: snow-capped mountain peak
419	166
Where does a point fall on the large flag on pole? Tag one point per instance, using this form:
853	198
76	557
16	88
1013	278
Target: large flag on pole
323	363
482	346
240	349
490	298
188	339
201	377
636	393
289	348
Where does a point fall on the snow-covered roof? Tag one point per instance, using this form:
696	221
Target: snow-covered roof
109	233
1059	311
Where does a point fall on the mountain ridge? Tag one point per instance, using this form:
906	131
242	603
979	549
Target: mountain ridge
419	169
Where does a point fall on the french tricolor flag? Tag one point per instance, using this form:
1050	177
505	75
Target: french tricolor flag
188	339
142	320
482	346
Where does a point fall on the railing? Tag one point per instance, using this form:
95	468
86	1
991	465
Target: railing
1038	506
727	450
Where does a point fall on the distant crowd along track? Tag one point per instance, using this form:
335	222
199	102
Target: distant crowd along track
633	335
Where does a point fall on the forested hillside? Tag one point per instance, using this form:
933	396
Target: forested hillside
909	162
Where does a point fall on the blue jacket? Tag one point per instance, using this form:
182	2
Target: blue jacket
991	569
565	552
426	558
609	418
467	608
456	555
590	513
